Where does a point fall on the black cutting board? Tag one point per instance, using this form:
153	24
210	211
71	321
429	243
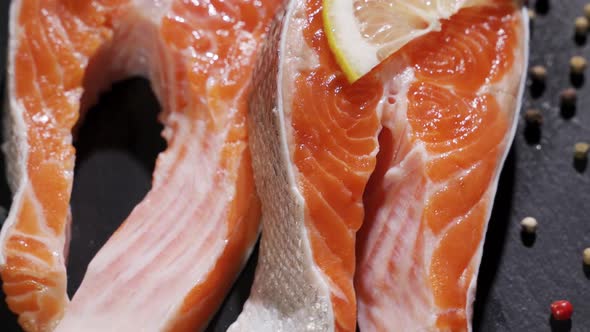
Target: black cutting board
518	279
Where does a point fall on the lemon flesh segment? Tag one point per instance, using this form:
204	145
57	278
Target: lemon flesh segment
353	65
363	33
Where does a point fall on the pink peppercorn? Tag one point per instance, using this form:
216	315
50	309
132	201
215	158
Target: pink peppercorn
562	310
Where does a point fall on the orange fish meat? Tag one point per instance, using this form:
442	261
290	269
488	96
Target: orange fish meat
173	259
442	147
411	152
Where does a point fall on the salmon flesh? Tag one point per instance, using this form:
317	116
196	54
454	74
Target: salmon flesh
174	258
377	195
374	197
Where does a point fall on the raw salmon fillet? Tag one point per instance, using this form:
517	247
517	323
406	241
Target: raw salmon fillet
411	152
442	147
314	138
171	262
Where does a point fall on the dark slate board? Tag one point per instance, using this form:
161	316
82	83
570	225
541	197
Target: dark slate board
518	279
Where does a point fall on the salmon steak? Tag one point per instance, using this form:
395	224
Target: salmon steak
171	262
376	195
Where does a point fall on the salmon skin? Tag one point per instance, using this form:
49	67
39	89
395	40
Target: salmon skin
412	152
169	265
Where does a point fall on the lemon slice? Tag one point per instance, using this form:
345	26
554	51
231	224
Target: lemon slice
362	33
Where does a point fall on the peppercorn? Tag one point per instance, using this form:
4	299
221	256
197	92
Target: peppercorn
582	24
578	64
562	310
581	150
586	256
538	73
568	97
529	225
532	14
533	117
